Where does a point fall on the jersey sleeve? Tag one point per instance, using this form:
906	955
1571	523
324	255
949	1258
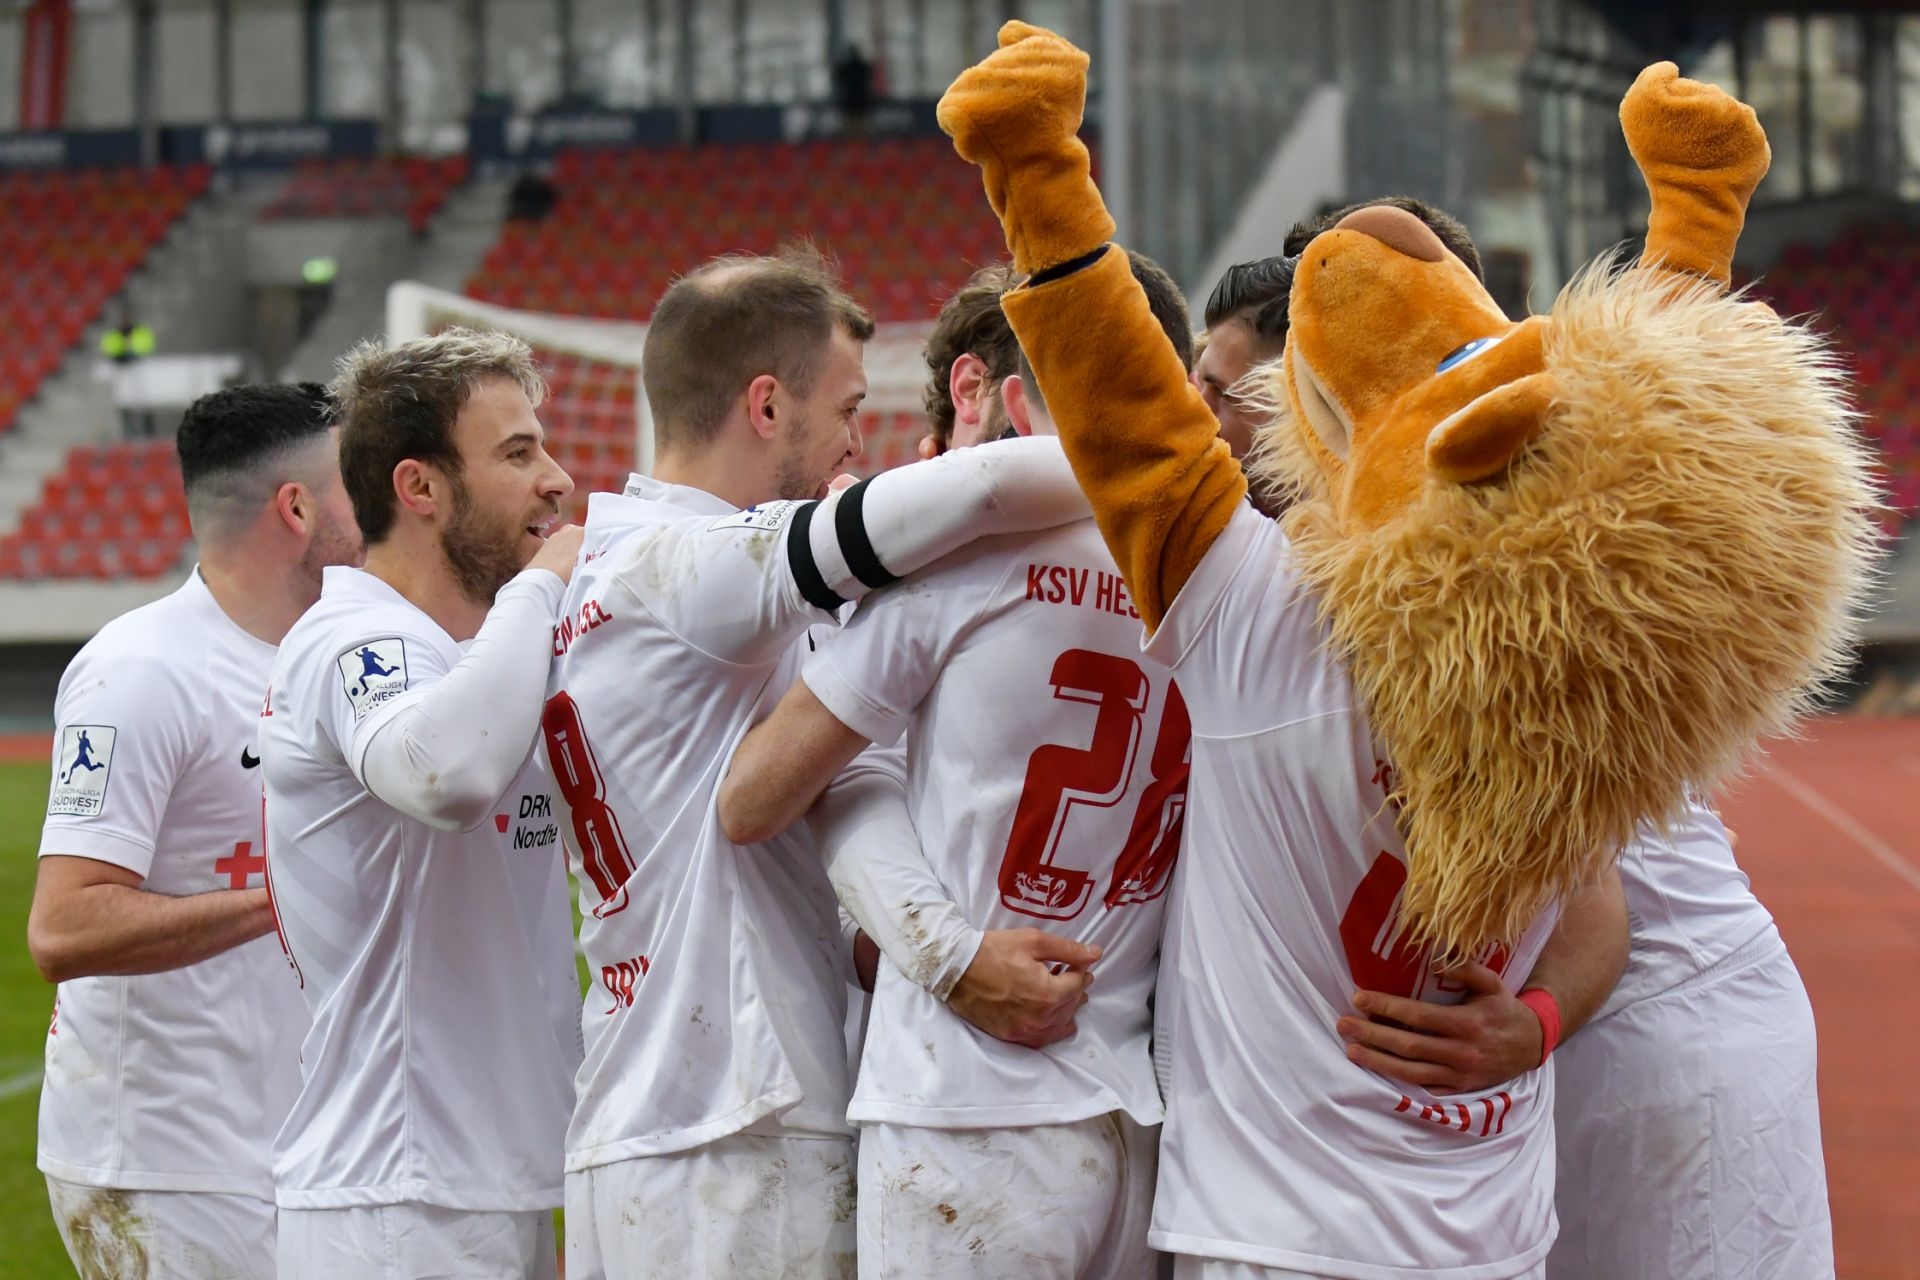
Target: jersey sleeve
125	731
742	587
1145	446
443	742
882	877
881	665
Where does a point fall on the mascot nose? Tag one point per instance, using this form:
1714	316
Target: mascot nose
1397	229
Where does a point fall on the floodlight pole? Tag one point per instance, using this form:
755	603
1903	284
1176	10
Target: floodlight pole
1116	124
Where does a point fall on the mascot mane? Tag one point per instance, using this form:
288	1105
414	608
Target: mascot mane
1668	572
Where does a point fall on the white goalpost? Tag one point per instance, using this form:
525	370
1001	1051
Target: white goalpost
597	415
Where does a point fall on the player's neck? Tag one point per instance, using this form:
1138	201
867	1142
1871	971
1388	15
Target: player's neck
419	572
734	480
259	593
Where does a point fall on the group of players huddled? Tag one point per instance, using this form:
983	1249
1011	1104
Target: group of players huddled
794	736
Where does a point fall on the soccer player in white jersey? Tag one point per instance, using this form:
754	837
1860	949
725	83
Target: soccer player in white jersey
1047	767
1279	1154
711	1137
415	859
1688	1112
174	1051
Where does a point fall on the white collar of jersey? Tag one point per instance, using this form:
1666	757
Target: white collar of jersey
686	497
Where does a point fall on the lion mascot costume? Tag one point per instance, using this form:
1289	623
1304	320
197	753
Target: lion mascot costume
1536	580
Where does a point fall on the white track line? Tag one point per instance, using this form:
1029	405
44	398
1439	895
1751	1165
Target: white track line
1840	818
23	1082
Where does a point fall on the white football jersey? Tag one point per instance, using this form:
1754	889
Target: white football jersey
172	1081
719	973
1688	904
438	965
1047	779
1277	1150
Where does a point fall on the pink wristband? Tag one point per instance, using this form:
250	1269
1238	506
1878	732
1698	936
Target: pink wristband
1547	1009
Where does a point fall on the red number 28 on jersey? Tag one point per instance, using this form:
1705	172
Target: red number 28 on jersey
1032	881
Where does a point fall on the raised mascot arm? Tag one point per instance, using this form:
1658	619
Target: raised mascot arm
1142	443
1702	153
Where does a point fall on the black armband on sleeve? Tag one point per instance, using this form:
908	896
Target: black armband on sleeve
800	563
850	527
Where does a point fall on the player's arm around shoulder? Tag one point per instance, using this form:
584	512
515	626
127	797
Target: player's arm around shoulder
782	766
127	730
441	743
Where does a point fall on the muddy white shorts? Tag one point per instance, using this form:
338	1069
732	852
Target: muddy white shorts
743	1207
412	1241
1186	1267
163	1235
1050	1202
1689	1133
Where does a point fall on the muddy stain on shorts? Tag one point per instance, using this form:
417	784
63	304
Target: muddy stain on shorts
109	1240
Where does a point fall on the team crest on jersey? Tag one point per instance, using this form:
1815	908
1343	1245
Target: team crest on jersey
765	516
373	674
81	770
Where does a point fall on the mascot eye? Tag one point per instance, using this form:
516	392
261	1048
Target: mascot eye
1466	352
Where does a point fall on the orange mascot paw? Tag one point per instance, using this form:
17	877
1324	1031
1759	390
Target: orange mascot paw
1702	153
1016	114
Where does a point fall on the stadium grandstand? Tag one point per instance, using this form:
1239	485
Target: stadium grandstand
205	192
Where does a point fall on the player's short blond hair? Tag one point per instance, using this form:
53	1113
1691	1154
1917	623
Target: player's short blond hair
400	402
735	319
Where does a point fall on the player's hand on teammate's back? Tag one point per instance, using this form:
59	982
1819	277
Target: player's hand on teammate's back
1485	1040
1025	986
562	549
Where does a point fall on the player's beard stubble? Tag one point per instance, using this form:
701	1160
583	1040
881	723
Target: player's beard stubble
484	552
792	478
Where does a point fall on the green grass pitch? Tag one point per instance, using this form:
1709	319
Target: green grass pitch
30	1249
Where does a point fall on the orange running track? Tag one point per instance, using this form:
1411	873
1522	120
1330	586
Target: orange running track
1830	835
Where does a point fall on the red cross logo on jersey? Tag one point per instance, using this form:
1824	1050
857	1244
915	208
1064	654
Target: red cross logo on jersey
243	863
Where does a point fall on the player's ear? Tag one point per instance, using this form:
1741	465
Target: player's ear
968	385
414	486
762	411
1013	394
294	505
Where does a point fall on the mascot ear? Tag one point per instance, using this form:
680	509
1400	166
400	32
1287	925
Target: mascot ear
1481	439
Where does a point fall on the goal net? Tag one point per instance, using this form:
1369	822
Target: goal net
596	418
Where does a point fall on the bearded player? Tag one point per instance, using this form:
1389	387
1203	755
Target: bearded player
415	862
174	1051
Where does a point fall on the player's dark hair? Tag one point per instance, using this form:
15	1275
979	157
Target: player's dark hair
1452	232
733	320
969	323
235	429
1255	294
400	403
1169	307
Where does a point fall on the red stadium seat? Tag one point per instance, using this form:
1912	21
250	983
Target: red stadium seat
1860	288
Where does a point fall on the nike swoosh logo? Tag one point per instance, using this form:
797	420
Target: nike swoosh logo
248	760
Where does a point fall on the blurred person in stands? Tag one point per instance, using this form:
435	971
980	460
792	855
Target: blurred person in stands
174	1052
127	342
415	860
